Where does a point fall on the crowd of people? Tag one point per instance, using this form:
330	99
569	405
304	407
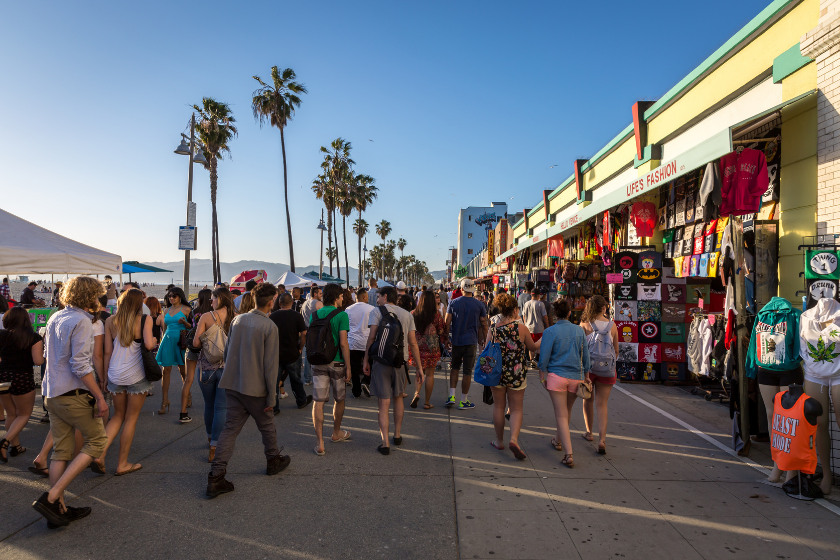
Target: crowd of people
244	347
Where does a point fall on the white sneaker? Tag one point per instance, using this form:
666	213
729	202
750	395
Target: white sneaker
284	395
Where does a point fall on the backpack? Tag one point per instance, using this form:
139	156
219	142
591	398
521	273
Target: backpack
388	345
320	344
601	352
569	271
594	271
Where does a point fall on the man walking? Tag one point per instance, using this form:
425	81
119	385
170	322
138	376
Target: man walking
297	300
467	318
359	314
386	381
292	334
250	384
535	317
334	375
70	390
5	291
373	286
525	296
309	307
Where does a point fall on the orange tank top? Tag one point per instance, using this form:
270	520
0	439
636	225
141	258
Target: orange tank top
792	439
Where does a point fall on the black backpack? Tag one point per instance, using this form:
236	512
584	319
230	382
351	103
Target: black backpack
388	345
320	344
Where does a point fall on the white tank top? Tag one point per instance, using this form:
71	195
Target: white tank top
126	367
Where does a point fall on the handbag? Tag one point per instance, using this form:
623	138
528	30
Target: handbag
487	397
584	388
488	366
186	336
213	342
150	366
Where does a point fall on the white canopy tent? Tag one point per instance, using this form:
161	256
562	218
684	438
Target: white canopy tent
383	284
291	280
29	249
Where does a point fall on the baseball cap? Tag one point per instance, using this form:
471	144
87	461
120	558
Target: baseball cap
467	285
401	285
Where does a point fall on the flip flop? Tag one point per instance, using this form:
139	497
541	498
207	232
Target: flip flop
319	453
346	437
45	472
414	401
134	468
427	406
588	436
517	452
499	447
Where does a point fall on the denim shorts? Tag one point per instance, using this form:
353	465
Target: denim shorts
142	386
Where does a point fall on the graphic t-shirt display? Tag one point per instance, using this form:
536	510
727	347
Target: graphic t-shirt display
643	216
743	182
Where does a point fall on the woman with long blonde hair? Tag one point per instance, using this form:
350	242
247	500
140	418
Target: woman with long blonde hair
247	303
595	323
124	333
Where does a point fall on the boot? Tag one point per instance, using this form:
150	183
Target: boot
218	485
277	464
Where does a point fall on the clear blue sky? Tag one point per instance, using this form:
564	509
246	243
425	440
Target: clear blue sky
466	103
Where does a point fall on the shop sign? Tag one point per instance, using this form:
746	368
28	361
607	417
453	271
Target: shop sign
491	247
615	278
495	278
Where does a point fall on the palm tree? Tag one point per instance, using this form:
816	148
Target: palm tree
365	192
391	259
346	206
331	254
276	104
322	188
360	228
215	129
383	228
401	245
337	166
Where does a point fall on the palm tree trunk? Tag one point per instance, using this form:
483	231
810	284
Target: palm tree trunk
344	234
361	265
218	254
286	194
335	232
213	185
329	237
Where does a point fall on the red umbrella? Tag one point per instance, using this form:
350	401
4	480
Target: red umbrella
240	279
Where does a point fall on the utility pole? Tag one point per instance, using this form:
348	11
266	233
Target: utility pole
189	200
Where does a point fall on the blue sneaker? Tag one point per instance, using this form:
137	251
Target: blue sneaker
450	401
465	404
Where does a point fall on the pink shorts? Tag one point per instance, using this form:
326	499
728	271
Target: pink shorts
556	383
602	380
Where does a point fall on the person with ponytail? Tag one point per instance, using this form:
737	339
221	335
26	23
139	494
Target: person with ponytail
601	333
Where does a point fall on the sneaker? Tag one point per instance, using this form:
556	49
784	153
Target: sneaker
218	485
283	395
184	418
51	511
308	383
450	401
72	514
366	389
307	403
277	464
465	404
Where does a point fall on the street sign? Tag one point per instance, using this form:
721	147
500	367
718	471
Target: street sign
186	238
191	214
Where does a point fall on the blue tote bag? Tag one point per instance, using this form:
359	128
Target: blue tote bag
488	366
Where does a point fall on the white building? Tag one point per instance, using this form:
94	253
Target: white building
472	228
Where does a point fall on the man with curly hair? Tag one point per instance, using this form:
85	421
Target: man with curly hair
72	397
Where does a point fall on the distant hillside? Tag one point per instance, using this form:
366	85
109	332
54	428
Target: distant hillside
201	271
438	274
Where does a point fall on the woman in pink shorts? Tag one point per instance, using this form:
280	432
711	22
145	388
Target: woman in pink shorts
602	338
564	362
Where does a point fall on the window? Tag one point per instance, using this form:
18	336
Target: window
469	236
469	251
469	218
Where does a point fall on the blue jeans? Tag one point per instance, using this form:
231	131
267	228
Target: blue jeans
292	372
215	403
307	369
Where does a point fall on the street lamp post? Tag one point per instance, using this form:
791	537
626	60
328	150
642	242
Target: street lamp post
195	156
364	259
323	228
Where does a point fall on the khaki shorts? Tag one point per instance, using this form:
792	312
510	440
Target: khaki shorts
71	413
331	375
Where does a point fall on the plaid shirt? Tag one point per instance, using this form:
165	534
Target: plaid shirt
5	291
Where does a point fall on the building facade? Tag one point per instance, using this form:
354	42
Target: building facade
473	225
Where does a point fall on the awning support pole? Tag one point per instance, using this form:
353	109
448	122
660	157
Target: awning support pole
741	332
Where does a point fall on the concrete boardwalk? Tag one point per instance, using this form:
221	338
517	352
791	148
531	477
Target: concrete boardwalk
660	492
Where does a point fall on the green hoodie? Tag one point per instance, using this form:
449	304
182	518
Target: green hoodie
774	343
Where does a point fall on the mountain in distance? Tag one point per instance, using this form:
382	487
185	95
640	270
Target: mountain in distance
201	271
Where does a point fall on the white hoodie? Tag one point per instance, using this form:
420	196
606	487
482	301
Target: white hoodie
819	339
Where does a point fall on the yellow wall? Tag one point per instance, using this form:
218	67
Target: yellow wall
798	200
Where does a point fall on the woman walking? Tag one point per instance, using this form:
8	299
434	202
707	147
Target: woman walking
203	307
153	304
247	303
513	338
210	371
602	337
170	353
564	361
20	350
431	330
124	333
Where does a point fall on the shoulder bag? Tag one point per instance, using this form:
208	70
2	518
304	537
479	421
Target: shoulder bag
213	342
150	366
488	366
584	388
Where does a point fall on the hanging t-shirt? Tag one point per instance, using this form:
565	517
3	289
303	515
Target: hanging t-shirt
643	216
686	266
678	261
694	266
713	264
626	260
698	245
650	259
673	293
821	264
627	331
743	182
704	265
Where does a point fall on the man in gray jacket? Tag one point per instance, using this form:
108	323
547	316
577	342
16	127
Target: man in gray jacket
252	358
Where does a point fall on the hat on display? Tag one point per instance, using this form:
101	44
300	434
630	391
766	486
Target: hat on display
401	285
467	285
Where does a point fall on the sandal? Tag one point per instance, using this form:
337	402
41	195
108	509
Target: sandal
602	449
588	436
40	471
134	468
499	447
97	468
517	452
555	445
319	453
568	460
345	437
427	406
414	401
4	446
16	450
